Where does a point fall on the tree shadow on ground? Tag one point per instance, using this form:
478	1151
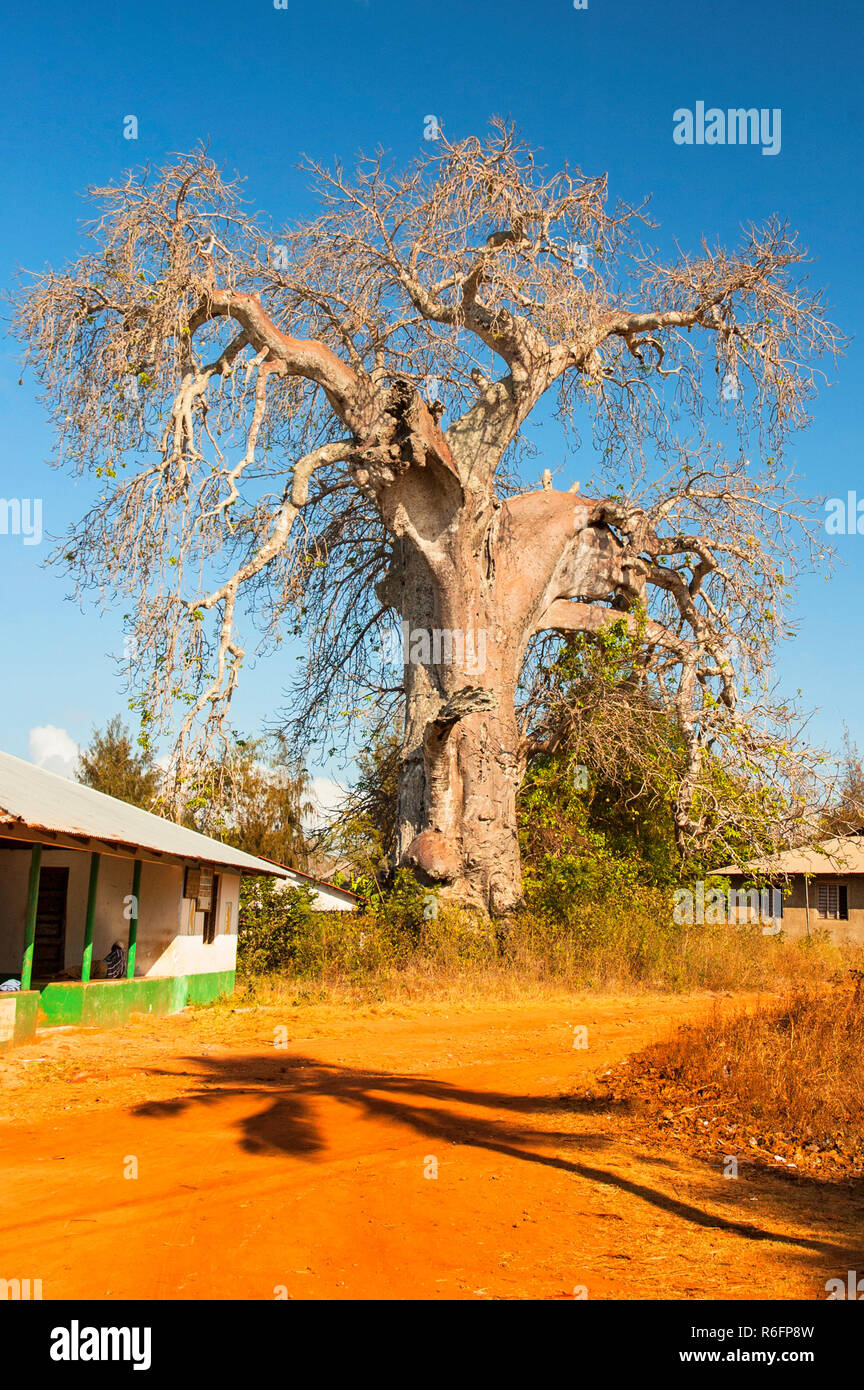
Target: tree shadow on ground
286	1123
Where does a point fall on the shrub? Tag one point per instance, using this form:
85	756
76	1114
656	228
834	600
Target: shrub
273	922
408	940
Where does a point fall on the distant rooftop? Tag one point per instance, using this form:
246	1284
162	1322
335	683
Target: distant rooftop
843	854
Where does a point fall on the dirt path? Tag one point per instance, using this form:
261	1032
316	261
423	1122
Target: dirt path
295	1156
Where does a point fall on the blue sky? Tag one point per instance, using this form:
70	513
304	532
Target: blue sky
264	86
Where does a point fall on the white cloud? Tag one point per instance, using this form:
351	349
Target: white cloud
53	749
326	796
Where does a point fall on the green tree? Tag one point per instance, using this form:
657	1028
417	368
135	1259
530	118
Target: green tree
111	764
598	729
607	761
274	920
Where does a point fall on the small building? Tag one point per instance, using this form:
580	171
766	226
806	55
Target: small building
326	896
106	909
821	887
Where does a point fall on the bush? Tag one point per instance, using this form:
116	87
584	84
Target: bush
273	922
408	940
781	1083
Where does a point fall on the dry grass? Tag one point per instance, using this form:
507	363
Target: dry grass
358	959
782	1082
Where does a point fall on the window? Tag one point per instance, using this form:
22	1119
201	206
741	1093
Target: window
198	885
211	912
206	894
832	901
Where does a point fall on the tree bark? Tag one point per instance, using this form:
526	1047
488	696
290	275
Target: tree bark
470	597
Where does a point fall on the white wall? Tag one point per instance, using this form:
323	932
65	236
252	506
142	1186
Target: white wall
173	943
170	935
325	898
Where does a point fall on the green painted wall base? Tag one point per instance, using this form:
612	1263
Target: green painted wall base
108	1003
18	1013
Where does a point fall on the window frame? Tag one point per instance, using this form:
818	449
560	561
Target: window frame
836	910
210	926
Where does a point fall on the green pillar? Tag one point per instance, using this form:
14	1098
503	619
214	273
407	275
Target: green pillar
91	912
30	920
133	921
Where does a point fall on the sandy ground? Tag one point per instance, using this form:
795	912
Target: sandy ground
297	1157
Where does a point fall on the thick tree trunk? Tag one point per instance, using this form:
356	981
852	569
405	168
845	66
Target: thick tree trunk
461	765
460	775
485	771
470	600
472	578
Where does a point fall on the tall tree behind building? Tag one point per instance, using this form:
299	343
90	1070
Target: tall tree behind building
255	798
111	764
846	814
365	831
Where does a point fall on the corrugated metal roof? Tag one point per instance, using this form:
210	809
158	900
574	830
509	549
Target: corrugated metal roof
841	855
38	800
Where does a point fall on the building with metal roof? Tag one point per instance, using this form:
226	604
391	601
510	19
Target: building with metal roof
821	886
107	909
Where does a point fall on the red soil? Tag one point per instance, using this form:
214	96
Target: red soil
302	1167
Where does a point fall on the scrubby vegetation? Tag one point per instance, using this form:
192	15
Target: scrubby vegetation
600	862
779	1084
405	943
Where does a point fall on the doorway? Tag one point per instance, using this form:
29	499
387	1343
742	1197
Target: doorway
211	916
49	948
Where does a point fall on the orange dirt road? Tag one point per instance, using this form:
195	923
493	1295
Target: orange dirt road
296	1157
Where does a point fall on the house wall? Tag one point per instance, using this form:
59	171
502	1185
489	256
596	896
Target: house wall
109	1003
795	912
14	874
325	898
18	1015
170	932
173	942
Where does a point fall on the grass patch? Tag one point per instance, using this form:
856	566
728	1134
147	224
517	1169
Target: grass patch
781	1084
396	952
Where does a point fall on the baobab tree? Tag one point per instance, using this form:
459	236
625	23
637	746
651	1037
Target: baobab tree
327	428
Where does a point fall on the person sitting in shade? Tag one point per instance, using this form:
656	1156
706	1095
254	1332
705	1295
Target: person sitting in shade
113	967
115	962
